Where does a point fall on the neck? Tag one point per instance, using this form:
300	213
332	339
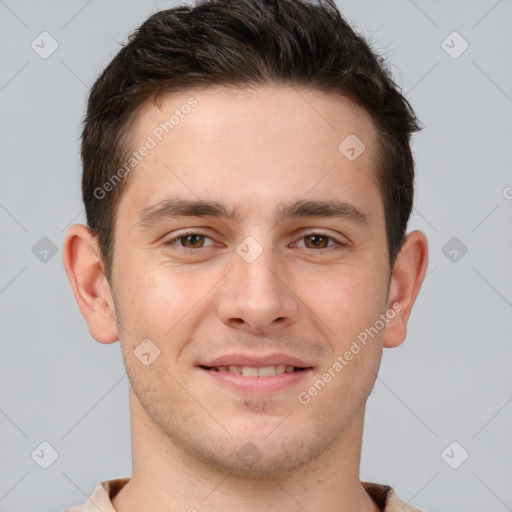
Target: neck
166	477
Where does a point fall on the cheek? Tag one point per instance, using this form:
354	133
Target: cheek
162	306
166	304
346	299
150	300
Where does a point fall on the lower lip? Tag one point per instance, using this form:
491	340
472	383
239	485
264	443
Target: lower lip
257	385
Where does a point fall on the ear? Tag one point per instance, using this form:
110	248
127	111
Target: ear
406	279
85	270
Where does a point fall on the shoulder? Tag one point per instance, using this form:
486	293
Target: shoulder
101	497
386	498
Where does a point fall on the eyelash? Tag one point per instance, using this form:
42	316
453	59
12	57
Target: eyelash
172	242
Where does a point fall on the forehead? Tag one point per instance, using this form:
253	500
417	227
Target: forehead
279	113
256	145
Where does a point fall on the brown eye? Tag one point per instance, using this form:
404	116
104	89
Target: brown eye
189	242
192	241
317	241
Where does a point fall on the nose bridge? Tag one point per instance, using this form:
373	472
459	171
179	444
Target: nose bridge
255	295
257	273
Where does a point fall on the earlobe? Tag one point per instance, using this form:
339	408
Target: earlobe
408	274
85	271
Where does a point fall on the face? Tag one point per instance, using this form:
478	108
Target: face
280	270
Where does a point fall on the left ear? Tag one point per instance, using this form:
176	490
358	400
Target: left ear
408	274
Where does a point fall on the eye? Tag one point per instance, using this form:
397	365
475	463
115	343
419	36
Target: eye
187	241
320	241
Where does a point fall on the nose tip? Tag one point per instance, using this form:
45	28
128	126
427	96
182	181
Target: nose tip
255	299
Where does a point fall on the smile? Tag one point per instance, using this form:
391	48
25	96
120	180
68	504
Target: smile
256	380
255	371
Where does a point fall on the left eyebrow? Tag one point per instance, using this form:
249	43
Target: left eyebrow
178	207
328	208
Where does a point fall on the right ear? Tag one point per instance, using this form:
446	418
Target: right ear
85	270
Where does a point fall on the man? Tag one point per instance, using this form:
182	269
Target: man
247	179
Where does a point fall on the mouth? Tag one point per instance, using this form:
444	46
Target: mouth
256	375
255	371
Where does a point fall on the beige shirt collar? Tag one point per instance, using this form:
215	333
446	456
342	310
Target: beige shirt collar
383	495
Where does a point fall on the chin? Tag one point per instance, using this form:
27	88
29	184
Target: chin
262	454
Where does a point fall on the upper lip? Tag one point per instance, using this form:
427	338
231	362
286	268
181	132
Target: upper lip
256	360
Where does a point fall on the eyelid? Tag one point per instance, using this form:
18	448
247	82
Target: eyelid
336	240
340	242
176	238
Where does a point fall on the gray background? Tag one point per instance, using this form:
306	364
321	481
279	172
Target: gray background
450	381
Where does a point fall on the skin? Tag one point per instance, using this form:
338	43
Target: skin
251	148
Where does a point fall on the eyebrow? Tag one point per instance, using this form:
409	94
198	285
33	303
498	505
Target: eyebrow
171	208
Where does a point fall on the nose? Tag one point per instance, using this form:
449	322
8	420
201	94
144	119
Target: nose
256	296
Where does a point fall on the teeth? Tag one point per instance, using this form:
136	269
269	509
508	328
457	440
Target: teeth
249	371
266	371
252	371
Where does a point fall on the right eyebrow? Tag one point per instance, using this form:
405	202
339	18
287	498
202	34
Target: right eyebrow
176	207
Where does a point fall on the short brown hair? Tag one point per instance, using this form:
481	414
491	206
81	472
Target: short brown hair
243	43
